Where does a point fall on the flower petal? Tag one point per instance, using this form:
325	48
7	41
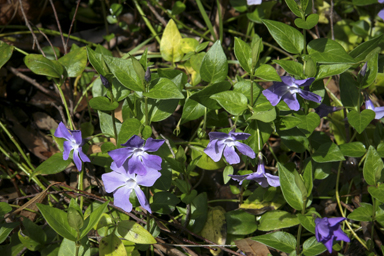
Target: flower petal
310	96
77	160
218	135
328	243
323	228
113	180
262	182
239	178
153	145
245	149
231	156
149	179
379	111
120	155
62	132
120	169
67	149
291	101
341	236
121	198
288	80
77	136
334	221
134	142
134	165
381	14
273	180
83	156
239	135
215	149
152	161
253	2
369	105
271	96
305	82
142	199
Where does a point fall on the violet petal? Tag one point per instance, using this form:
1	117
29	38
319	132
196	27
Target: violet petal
215	149
152	145
149	179
134	142
239	135
231	156
152	161
291	101
112	181
120	155
310	96
136	166
273	180
245	149
121	198
142	199
341	236
67	149
76	159
62	132
218	135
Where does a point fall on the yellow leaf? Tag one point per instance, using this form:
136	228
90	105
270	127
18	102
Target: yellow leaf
111	246
215	228
170	45
189	44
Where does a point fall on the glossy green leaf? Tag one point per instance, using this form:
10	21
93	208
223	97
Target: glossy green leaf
57	219
289	38
111	245
103	104
199	212
281	241
233	102
325	50
362	50
75	220
277	220
126	73
292	67
160	109
308	177
263	11
243	54
267	72
75	61
106	124
170	44
332	70
240	222
264	112
328	152
68	247
40	65
309	23
294	7
311	247
34	232
133	232
353	149
308	123
371	72
363	2
214	66
4	208
377	192
244	87
192	110
52	165
29	243
6	229
97	61
349	92
360	121
307	222
129	128
203	96
295	140
164	89
290	188
164	202
373	167
362	213
93	219
6	51
260	133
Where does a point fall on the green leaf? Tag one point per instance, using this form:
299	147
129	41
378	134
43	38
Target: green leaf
360	121
93	219
243	54
267	72
6	51
103	104
34	232
264	112
75	61
68	247
312	247
4	208
371	72
373	167
291	190
133	232
199	212
111	245
292	67
353	149
325	50
349	91
277	220
294	7
170	44
6	229
361	51
282	241
263	11
40	65
214	66
332	70
308	123
328	152
160	109
309	23
377	192
164	89
308	177
244	87
97	61
259	131
363	2
289	38
129	128
233	102
164	202
294	139
192	110
188	44
228	170
205	162
75	220
307	222
363	213
203	96
106	124
126	73
52	165
57	219
240	222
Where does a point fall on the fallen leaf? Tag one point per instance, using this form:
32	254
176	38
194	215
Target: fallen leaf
252	248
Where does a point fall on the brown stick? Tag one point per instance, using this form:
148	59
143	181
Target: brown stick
59	27
73	20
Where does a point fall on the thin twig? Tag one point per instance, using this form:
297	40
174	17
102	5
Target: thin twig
157	15
331	21
54	52
73	20
59	27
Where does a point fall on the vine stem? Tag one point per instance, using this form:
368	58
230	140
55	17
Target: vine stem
149	25
65	106
299	231
81	186
341	208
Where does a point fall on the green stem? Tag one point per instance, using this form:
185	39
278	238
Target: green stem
373	217
220	20
113	116
81	186
146	111
224	200
252	78
149	25
341	208
206	19
21	51
65	106
299	231
77	249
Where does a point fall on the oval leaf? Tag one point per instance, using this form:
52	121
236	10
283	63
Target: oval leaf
170	44
40	65
103	104
164	89
214	67
133	232
233	102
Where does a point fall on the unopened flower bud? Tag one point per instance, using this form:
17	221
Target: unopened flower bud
364	69
105	82
147	76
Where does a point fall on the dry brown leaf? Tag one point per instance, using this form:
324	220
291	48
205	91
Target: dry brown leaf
44	121
252	248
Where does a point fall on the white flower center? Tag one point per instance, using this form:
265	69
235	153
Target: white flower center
74	144
139	152
229	142
131	183
293	88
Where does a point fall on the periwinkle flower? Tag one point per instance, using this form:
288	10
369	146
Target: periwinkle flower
379	111
260	176
328	229
381	13
73	142
324	110
134	155
254	2
221	142
287	90
121	182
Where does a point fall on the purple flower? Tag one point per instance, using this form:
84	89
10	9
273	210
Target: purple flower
260	176
323	110
120	182
221	142
379	111
74	142
134	156
253	2
328	230
381	13
287	90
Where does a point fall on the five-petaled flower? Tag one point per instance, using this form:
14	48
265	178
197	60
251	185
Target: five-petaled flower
73	142
260	176
221	142
328	229
287	90
121	182
379	111
134	155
